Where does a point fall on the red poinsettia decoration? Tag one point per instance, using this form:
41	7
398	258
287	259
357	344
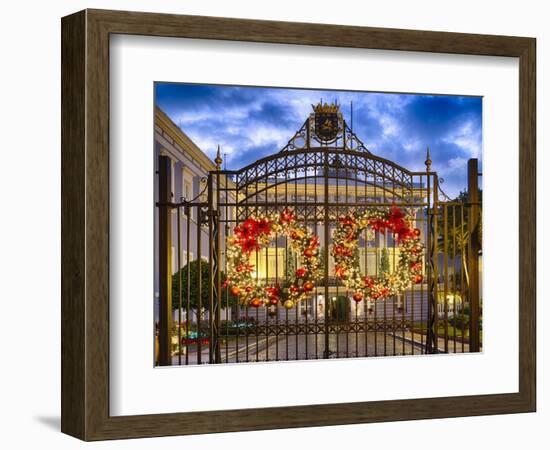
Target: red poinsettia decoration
273	291
395	214
249	230
340	271
369	282
241	232
249	245
402	230
379	224
244	268
398	225
287	216
314	242
263	226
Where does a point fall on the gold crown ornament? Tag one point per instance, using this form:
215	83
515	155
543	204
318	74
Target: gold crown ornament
325	108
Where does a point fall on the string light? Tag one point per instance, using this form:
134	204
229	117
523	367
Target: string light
257	232
346	258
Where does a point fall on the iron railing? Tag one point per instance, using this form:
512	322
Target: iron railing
198	322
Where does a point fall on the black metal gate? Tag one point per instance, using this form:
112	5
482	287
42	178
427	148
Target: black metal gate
320	177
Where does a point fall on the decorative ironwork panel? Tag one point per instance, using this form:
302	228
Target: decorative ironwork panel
324	173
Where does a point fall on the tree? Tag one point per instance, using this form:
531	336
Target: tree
194	300
384	264
321	267
290	264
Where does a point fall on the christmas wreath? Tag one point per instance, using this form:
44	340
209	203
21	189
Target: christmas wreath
346	258
249	237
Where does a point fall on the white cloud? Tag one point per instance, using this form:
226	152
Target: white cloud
456	163
390	127
261	135
466	137
412	146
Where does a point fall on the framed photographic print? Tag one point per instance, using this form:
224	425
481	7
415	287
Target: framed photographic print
270	224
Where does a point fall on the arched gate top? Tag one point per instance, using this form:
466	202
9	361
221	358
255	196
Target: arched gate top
325	146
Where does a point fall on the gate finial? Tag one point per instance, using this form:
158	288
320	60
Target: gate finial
218	159
428	161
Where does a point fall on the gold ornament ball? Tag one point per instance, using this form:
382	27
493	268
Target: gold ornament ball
235	290
288	304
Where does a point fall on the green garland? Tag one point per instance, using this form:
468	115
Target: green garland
257	232
346	260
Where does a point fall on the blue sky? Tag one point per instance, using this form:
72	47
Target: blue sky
252	122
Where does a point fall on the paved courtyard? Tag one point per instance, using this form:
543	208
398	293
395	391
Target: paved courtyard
301	347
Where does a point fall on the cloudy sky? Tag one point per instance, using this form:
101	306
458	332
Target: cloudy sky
252	122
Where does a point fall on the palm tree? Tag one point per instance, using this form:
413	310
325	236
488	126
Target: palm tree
458	233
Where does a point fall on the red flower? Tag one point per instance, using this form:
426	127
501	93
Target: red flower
241	232
314	242
300	273
249	245
251	226
378	224
369	282
272	292
402	230
287	216
395	214
398	225
263	226
339	271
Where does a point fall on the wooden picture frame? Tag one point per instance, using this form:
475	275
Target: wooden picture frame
85	224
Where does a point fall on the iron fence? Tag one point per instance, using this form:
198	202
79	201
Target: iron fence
200	322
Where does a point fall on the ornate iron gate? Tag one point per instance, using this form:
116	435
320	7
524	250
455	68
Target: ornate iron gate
324	172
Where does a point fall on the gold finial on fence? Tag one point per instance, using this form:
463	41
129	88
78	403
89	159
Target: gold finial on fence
218	159
428	161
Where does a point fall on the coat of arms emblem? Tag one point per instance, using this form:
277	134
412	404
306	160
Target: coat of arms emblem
326	121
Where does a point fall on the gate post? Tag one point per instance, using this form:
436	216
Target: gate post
165	260
473	254
431	255
215	261
326	239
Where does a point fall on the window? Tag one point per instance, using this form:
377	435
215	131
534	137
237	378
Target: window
186	190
